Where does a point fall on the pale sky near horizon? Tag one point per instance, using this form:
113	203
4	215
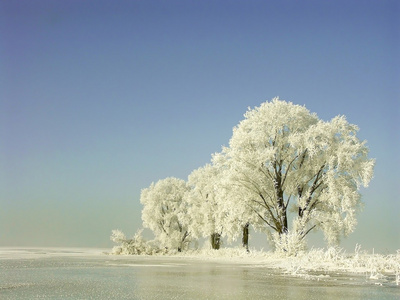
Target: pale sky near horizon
100	98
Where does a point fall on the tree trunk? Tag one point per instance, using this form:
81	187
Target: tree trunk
182	244
215	241
283	228
282	214
285	222
245	238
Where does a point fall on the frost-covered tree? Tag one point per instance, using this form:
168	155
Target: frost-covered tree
164	212
210	206
205	206
283	159
237	217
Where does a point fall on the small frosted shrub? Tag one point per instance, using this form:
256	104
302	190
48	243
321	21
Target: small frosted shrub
334	254
289	244
117	236
135	246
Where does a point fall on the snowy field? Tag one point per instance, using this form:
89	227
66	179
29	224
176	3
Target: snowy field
55	273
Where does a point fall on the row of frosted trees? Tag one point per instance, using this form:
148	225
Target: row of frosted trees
178	212
285	173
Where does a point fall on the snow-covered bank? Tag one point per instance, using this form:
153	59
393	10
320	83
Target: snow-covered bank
334	259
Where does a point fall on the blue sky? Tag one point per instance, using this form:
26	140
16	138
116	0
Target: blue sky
100	98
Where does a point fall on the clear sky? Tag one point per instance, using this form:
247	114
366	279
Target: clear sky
100	98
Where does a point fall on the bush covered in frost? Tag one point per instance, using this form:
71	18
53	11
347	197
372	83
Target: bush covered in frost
335	259
289	244
135	246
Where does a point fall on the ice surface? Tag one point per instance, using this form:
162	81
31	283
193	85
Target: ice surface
90	274
34	252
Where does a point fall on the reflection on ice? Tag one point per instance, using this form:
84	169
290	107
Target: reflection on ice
89	274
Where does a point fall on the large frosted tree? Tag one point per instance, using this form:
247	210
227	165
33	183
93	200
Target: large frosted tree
164	212
296	172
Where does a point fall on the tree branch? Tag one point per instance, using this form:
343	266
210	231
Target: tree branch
288	168
262	218
304	235
269	210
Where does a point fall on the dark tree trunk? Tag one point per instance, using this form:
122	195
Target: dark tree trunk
245	238
182	246
283	212
278	184
285	222
215	241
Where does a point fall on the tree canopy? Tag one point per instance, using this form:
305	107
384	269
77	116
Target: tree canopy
164	212
284	159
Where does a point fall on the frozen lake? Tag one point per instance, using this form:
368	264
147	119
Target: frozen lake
89	274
